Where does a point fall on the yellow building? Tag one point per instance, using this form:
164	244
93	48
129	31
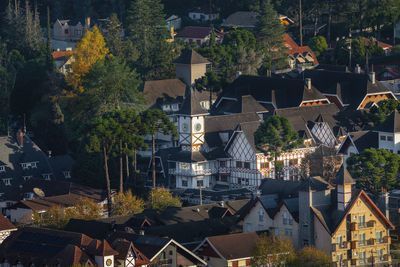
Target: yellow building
354	232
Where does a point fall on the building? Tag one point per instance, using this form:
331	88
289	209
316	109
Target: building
199	35
248	20
6	228
174	22
44	247
300	57
340	220
63	60
228	250
69	30
202	14
387	48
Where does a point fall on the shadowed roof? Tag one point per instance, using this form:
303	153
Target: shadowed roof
190	56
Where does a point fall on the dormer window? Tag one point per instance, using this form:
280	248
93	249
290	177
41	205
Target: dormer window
175	107
2	168
26	165
33	165
67	174
46	176
7	181
27	177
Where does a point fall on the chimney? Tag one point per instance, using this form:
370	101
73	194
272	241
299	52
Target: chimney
238	73
372	77
357	69
308	83
383	202
20	138
221	203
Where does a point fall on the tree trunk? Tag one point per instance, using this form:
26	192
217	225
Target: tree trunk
301	24
121	171
107	180
127	164
329	23
153	161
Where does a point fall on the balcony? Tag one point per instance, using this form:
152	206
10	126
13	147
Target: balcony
191	172
354	244
371	223
387	257
339	246
354	226
386	240
371	242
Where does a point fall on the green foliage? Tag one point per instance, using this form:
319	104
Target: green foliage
377	115
157	121
275	136
272	249
374	169
241	38
161	198
126	203
318	44
270	31
310	256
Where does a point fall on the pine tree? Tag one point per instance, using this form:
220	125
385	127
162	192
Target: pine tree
270	32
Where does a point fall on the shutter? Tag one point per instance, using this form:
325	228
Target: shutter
235	264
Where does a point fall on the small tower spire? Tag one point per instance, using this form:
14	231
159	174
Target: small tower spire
344	182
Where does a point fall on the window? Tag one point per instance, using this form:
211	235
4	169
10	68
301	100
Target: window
305	242
383	138
24	166
27	177
66	31
339	258
2	168
339	241
362	239
293	162
288	232
285	218
239	164
78	32
244	181
362	257
361	221
184	183
261	215
222	164
379	237
199	183
247	165
67	174
290	220
379	254
223	177
7	181
46	176
33	165
390	138
171	252
264	165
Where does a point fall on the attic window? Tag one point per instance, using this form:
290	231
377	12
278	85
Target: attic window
7	181
46	176
2	168
67	174
27	177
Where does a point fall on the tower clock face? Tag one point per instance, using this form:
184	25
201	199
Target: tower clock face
197	127
185	127
109	262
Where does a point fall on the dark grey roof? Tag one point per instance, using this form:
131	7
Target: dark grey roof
283	188
190	57
362	140
216	195
351	87
272	90
189	156
191	104
246	19
248	129
164	91
244	104
343	176
391	124
314	184
61	164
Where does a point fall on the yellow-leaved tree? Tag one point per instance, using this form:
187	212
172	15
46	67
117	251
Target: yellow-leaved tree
89	49
161	198
125	203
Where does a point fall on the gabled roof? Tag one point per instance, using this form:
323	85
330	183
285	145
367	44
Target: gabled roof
61	55
101	248
343	176
246	19
191	104
331	218
72	255
5	224
361	139
233	246
124	246
294	49
391	124
190	56
158	92
314	184
283	188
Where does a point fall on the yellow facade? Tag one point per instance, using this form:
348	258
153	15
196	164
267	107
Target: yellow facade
362	238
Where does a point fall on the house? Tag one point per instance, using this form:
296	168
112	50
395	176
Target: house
199	35
6	227
202	14
174	22
340	220
69	30
387	48
45	247
40	196
349	90
300	57
228	250
248	20
63	60
20	160
160	251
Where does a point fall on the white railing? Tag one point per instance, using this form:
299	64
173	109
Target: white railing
192	172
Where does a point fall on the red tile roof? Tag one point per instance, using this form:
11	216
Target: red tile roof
384	46
5	224
101	248
294	49
58	55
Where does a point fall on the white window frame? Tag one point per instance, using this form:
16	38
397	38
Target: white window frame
3	168
7	181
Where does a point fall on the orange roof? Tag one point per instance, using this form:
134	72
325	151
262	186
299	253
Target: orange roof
5	224
294	49
61	54
384	46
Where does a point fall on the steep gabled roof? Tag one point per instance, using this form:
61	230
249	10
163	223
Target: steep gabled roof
101	248
191	104
391	124
343	176
314	184
190	57
247	19
158	92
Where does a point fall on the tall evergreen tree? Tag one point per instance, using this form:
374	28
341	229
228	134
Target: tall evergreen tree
270	32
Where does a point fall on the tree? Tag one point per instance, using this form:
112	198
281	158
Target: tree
275	136
157	121
318	44
270	32
377	115
374	169
125	203
103	134
111	84
312	257
89	50
272	249
161	198
249	61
